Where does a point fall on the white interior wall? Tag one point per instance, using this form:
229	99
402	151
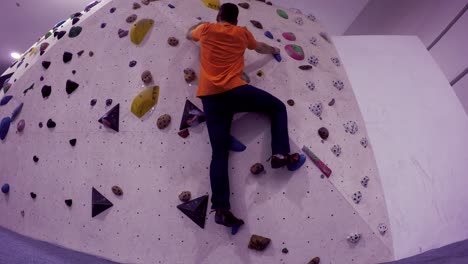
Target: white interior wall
335	15
418	129
423	18
461	89
451	52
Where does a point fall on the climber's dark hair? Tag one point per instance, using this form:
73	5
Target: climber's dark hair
228	13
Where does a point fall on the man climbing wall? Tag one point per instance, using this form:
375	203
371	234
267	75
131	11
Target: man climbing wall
224	93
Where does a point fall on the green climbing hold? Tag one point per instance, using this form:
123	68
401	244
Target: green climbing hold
282	13
74	32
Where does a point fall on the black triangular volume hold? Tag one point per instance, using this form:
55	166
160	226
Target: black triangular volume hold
111	118
99	203
73	142
192	116
196	210
71	86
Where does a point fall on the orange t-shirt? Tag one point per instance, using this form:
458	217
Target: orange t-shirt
222	56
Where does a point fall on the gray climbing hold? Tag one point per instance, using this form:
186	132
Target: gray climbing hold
244	5
146	77
354	238
21	125
185	196
163	121
258	242
117	190
132	18
136	6
122	33
256	24
323	133
291	102
305	67
172	41
257	168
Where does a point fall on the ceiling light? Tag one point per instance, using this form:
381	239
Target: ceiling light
15	55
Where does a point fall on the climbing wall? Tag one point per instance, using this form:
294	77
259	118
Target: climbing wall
99	66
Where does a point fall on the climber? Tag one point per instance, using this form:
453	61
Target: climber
223	93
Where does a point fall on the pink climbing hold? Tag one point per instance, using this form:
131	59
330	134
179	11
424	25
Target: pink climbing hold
289	36
296	52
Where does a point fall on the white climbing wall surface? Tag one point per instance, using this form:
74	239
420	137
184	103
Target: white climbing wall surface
308	214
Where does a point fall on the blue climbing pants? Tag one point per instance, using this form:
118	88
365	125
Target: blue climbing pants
219	110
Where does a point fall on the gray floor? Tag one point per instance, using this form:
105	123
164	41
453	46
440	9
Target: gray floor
17	249
456	253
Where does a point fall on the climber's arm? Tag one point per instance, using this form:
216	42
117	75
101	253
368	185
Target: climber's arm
263	48
194	32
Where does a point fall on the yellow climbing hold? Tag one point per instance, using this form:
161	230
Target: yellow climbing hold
213	4
33	50
144	101
140	29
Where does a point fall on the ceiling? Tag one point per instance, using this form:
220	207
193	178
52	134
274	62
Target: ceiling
21	26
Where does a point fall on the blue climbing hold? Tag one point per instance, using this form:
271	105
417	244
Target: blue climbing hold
277	57
5	188
16	112
235	145
59	24
298	164
4	127
5	99
269	35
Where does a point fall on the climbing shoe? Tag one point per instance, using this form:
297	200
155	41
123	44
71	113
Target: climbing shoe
292	161
226	218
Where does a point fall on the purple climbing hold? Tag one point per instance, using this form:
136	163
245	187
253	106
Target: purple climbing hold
40	124
5	99
51	123
289	36
21	125
93	102
67	57
103	25
71	86
4	127
35	159
46	64
41	79
108	102
73	142
61	34
69	202
91	5
132	64
256	24
29	88
16	112
171	6
269	35
80	53
46	91
75	20
244	5
123	33
112	10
